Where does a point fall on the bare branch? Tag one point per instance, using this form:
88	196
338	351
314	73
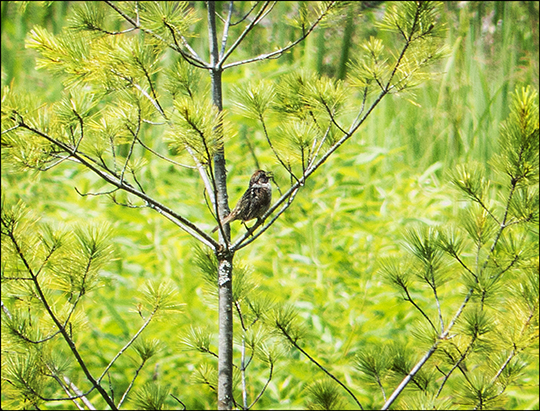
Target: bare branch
77	391
128	157
154	102
262	13
187	57
456	365
255	4
95	194
318	149
278	53
265	385
128	389
227	25
128	344
410	299
177	399
15	127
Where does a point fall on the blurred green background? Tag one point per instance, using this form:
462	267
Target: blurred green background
321	256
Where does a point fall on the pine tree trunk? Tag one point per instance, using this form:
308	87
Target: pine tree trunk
225	259
225	353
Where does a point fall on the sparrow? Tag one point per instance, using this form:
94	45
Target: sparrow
255	201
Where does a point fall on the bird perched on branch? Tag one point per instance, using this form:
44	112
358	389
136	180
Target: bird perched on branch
255	201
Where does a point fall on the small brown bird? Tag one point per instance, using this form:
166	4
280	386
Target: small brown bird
255	201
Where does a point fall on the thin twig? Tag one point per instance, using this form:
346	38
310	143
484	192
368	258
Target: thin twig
130	152
456	365
177	399
128	389
162	156
187	57
410	299
249	27
278	53
293	342
128	344
243	371
433	287
15	127
427	356
318	149
255	4
289	170
265	385
226	27
143	92
95	194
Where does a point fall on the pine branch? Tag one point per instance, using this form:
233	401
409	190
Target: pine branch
61	328
128	344
292	191
186	56
255	4
162	156
288	168
190	58
428	355
456	365
410	299
177	219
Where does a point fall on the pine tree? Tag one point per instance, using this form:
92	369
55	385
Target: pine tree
141	89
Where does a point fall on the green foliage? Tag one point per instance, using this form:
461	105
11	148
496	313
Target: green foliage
161	296
195	129
373	365
421	31
324	396
26	379
481	394
284	322
182	78
150	397
318	272
519	140
256	101
146	349
52	271
167	19
198	339
491	250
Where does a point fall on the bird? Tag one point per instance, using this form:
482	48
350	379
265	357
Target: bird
255	201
